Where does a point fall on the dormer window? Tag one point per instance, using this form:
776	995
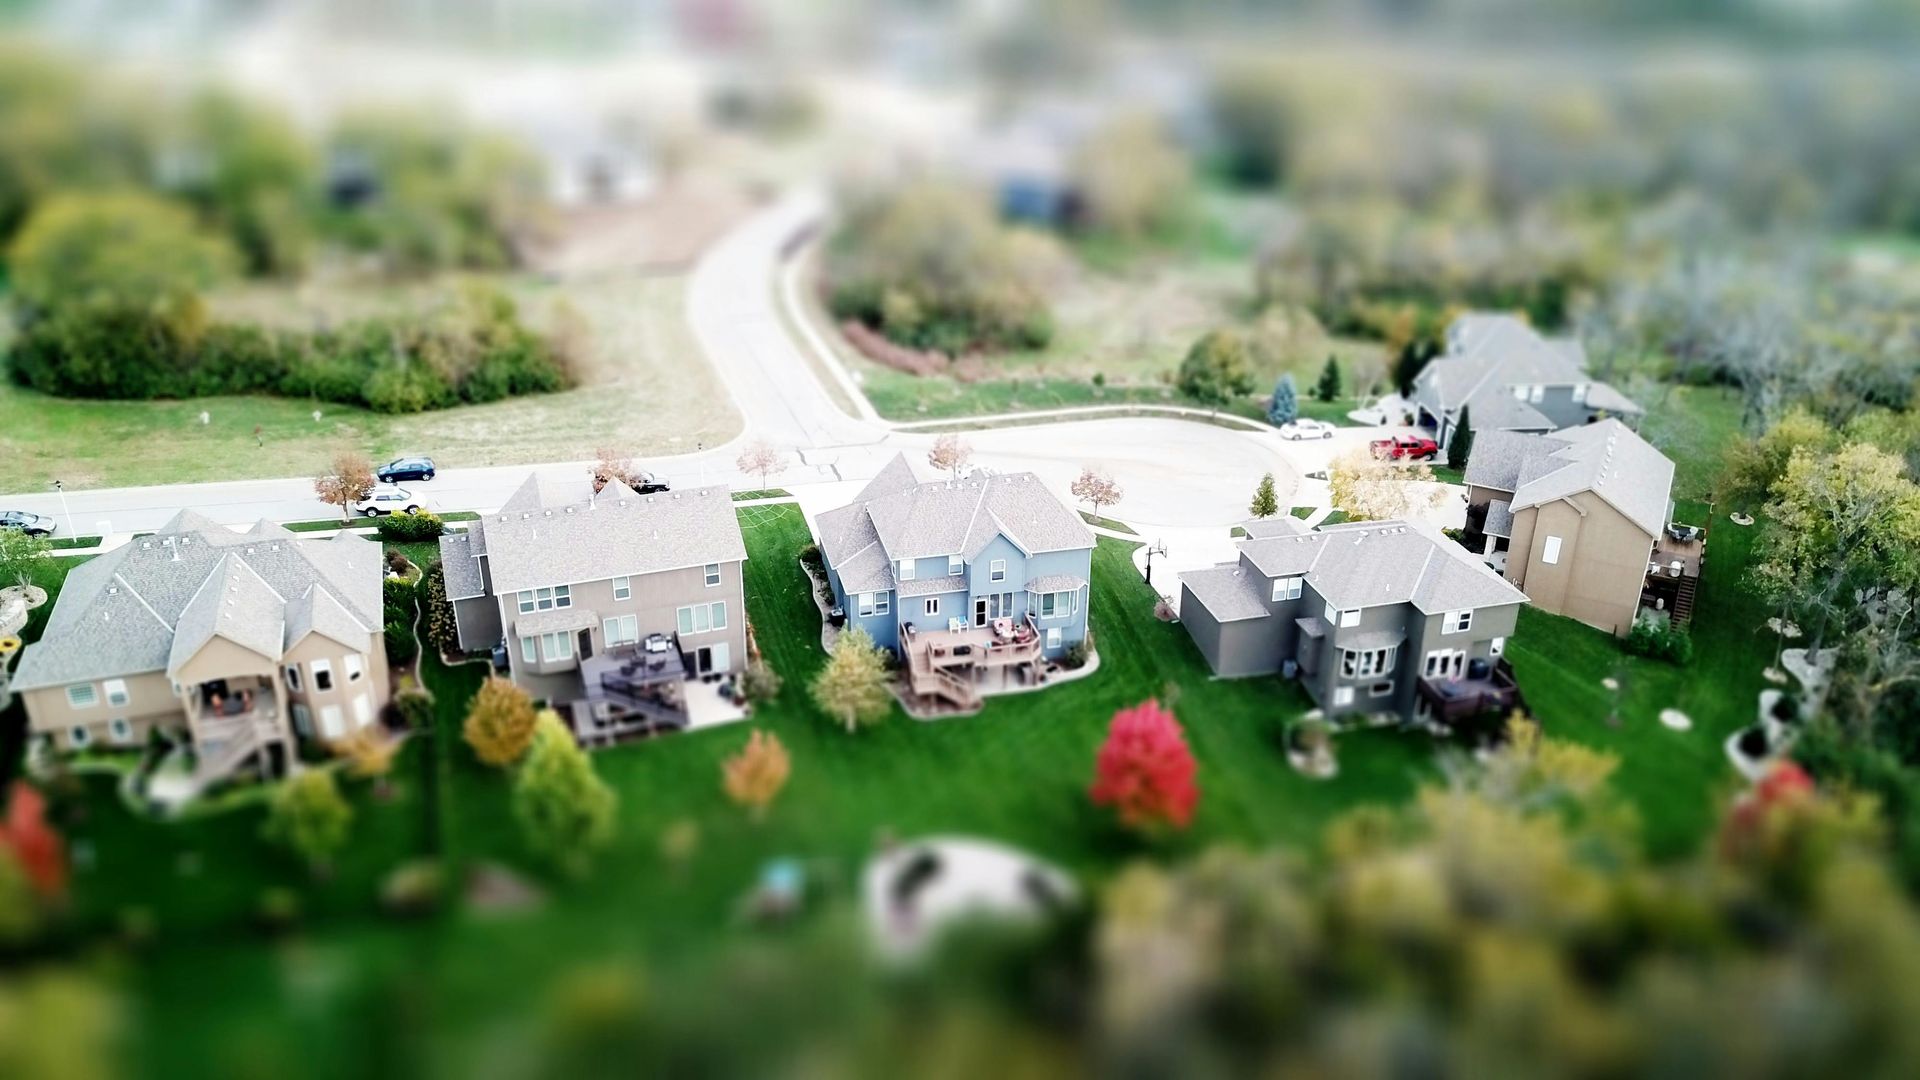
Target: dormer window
906	569
1287	588
955	566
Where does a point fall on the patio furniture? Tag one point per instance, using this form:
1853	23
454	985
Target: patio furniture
1003	628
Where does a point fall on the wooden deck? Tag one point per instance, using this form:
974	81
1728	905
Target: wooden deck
949	666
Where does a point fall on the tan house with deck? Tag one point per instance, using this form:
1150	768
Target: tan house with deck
1580	520
235	642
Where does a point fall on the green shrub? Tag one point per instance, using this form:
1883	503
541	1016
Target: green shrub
1658	641
407	528
759	682
441	630
401	646
414	704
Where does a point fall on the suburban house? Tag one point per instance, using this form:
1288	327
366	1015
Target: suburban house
234	641
976	583
604	604
1370	616
1513	379
1580	520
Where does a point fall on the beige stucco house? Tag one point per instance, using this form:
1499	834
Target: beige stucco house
236	642
1578	518
603	604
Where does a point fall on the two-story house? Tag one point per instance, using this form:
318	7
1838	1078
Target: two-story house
603	604
235	642
974	582
1370	616
1513	379
1580	520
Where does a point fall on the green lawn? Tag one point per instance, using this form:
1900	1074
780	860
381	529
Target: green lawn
1105	523
763	493
1675	778
1693	425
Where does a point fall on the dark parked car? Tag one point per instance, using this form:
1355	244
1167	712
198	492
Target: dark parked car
29	523
406	468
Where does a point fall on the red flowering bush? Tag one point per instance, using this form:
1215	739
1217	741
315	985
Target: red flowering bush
1145	770
32	844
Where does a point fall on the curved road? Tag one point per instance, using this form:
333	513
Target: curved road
1175	472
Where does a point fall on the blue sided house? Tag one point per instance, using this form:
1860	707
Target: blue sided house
978	584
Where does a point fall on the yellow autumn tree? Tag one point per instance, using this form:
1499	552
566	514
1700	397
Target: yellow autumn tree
499	725
754	777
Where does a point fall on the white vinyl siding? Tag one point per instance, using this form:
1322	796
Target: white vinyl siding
83	696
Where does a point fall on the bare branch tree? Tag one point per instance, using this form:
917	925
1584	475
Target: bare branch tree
1097	489
348	480
950	454
761	460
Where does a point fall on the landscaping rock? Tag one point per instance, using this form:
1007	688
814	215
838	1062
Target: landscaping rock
1675	719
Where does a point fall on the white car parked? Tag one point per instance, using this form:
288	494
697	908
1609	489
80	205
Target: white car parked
388	499
1306	429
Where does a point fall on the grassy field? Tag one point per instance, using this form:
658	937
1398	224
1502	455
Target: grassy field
1693	425
644	383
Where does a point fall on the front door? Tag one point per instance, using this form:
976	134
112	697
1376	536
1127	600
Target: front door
722	657
586	644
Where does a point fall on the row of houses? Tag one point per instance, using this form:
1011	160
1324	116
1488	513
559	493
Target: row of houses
608	604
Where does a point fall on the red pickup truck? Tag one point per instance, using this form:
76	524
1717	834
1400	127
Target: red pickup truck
1405	446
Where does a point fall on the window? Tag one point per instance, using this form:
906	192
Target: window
713	574
1380	689
322	672
700	618
293	677
116	692
1550	551
1055	605
79	736
1496	647
119	730
1053	637
623	630
1361	663
355	667
330	725
1580	393
1350	617
882	603
1455	622
362	710
559	596
997	570
955	566
82	696
866	608
933	605
623	588
1333	615
906	569
557	646
1342	695
1286	588
529	650
1444	663
1520	391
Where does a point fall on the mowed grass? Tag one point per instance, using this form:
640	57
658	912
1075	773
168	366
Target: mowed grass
1677	779
645	383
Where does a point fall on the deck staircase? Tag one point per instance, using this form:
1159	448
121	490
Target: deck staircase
928	681
225	744
1682	612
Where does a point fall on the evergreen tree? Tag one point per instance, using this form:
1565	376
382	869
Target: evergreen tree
1328	388
1460	447
1265	502
1413	357
1285	406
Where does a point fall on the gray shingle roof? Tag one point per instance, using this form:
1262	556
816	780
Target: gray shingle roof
1374	639
118	614
1611	461
555	621
235	603
460	566
1488	353
933	586
1370	563
1278	525
1499	519
1227	591
1056	583
555	532
1499	456
905	519
320	612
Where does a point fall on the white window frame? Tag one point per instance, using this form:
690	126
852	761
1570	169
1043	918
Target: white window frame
115	691
332	717
719	618
704	618
1342	695
292	674
556	645
119	730
1579	393
1350	617
1456	622
1536	392
83	696
355	667
933	605
1367	663
1060	604
623	588
545	598
79	737
1520	391
1333	614
713	574
1381	688
530	649
620	630
956	566
1287	588
1445	663
997	570
882	603
362	710
318	668
1550	551
906	569
863	604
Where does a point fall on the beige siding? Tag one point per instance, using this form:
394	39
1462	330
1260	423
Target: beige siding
655	601
374	682
1602	564
150	702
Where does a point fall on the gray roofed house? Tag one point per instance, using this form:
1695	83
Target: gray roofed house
900	551
1512	379
564	585
1575	516
190	629
1370	616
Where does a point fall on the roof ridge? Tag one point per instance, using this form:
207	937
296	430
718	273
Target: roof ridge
135	593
